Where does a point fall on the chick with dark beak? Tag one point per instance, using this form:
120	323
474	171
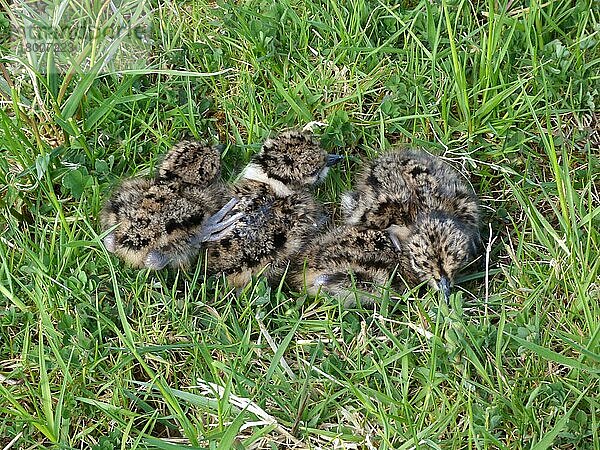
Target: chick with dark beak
275	215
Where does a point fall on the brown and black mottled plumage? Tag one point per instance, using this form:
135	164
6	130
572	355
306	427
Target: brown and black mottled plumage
410	220
349	261
353	261
396	186
437	246
159	221
278	213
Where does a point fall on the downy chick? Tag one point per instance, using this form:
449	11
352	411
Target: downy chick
278	213
162	221
348	262
414	189
396	186
437	246
353	261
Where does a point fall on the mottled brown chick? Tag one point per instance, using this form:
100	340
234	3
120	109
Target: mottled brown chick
163	221
353	261
278	213
348	262
396	186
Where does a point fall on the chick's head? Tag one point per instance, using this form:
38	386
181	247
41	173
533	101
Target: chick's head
295	159
437	247
191	162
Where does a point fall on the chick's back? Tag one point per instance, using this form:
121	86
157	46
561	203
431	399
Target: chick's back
270	232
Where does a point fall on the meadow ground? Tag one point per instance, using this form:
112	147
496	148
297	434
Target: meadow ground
97	355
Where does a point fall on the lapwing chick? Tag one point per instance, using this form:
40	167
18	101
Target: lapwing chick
396	186
161	222
353	261
348	262
278	213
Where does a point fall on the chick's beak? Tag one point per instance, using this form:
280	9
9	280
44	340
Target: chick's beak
444	285
333	159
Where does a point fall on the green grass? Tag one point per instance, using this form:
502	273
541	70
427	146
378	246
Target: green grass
97	355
